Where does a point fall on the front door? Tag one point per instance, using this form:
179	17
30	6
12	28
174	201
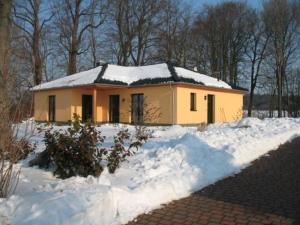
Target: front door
210	108
137	108
114	108
87	108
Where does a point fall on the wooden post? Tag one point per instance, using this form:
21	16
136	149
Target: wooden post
95	105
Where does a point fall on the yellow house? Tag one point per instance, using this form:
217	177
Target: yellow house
154	94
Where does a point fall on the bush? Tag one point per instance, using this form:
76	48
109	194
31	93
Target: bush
78	151
202	127
24	148
73	152
119	152
12	150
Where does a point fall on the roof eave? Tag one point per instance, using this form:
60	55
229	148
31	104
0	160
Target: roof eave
214	87
79	86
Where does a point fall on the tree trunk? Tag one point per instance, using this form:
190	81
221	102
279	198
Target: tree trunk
251	88
250	104
279	91
5	9
72	66
37	64
72	63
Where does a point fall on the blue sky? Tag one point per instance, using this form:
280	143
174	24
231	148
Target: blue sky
199	3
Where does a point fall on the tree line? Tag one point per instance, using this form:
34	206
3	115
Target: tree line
257	48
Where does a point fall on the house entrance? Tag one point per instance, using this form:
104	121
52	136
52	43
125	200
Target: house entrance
210	108
87	107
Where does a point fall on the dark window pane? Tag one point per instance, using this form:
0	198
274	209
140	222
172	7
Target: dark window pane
87	107
137	108
114	108
193	102
51	108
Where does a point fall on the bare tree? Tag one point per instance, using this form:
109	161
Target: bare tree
73	21
167	34
5	7
226	30
6	170
293	82
94	47
255	52
282	22
27	14
5	24
123	30
145	15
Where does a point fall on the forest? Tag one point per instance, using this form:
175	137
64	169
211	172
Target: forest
255	48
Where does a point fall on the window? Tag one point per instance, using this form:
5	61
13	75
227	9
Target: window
51	108
193	102
137	108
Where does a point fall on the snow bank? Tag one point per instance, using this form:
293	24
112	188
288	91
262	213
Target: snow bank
175	163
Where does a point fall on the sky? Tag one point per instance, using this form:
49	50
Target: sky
199	3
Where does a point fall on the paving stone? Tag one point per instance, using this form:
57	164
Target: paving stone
265	193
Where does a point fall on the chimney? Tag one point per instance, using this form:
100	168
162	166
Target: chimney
100	63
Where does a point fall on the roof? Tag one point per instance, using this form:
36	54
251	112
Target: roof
78	79
134	75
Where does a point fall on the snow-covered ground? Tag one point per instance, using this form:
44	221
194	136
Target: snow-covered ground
174	163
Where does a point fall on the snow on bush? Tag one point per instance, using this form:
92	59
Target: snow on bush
174	163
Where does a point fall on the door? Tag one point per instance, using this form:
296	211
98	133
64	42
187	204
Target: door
51	108
137	108
87	108
210	109
114	108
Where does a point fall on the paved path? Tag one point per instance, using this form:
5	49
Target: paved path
267	192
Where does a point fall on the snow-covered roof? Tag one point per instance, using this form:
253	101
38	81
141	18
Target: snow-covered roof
133	75
130	74
201	78
77	79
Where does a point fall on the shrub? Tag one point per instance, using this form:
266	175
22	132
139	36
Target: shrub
119	152
78	150
24	148
72	152
202	127
12	149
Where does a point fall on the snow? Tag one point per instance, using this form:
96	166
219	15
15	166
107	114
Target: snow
128	75
206	80
174	163
78	79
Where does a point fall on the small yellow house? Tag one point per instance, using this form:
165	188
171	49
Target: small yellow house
154	94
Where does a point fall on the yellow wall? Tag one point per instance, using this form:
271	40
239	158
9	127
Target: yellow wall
171	102
228	106
62	104
156	98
